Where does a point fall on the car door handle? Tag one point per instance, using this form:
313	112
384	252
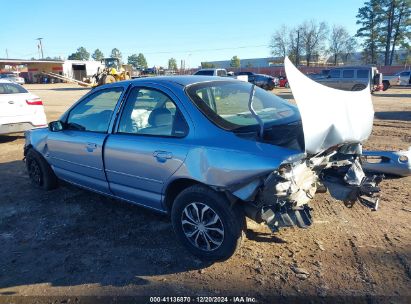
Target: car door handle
162	155
90	147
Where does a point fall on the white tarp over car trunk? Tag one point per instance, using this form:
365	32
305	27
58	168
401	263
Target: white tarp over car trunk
329	116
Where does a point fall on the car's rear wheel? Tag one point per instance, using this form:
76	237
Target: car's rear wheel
386	85
40	173
206	224
358	87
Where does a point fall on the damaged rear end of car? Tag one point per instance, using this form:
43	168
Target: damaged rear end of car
282	199
335	123
323	138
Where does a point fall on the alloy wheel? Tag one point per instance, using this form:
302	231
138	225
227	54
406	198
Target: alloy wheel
202	226
35	172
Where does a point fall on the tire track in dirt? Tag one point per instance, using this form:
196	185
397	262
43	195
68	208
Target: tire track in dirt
402	260
362	267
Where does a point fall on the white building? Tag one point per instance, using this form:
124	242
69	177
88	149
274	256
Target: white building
79	69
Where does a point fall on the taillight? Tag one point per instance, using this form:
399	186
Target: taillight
34	102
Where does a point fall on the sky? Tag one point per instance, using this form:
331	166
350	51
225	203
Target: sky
193	31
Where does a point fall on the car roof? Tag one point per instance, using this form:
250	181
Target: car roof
184	80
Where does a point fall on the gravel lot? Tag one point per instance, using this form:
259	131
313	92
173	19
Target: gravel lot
69	242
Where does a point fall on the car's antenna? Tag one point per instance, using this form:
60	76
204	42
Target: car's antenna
250	107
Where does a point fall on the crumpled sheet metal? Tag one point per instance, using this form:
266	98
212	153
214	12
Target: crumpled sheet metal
391	162
330	117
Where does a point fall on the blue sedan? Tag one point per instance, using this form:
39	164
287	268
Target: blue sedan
206	150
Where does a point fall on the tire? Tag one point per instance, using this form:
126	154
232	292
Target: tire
40	173
358	87
386	85
225	230
108	79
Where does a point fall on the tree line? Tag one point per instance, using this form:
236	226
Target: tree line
384	26
138	61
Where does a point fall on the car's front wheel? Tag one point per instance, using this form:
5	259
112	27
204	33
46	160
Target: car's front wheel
40	172
206	224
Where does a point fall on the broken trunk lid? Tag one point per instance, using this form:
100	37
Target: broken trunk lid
330	117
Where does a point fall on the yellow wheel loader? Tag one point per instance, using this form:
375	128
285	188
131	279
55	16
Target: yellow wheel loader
111	72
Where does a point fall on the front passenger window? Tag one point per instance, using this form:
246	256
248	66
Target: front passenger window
94	113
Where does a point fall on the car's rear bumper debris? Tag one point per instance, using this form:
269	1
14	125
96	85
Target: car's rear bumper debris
287	217
388	162
285	194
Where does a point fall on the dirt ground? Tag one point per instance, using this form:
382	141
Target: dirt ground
69	242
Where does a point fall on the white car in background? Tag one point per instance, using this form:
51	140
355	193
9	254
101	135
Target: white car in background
20	110
14	77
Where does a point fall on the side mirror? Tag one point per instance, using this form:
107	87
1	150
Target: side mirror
56	126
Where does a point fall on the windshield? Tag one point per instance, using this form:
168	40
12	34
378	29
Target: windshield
225	103
111	63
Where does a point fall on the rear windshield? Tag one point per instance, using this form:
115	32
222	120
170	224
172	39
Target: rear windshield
7	75
206	73
225	103
11	88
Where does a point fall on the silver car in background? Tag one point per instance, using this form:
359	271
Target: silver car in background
352	78
402	78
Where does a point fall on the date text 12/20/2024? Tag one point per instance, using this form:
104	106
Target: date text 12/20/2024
200	299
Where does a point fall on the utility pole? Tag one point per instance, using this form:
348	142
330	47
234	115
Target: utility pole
40	46
7	54
297	55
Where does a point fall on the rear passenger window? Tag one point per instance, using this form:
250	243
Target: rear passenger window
362	74
151	112
348	74
334	74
